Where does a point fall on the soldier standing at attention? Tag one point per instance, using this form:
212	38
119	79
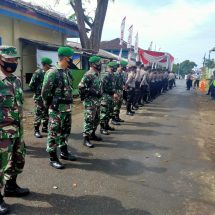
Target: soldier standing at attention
57	96
130	87
108	95
120	81
90	93
41	112
12	146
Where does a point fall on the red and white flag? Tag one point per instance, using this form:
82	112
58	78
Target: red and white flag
130	30
122	31
136	44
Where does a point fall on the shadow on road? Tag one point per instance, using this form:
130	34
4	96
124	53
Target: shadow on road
82	205
123	167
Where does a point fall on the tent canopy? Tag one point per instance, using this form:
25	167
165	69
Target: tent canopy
157	58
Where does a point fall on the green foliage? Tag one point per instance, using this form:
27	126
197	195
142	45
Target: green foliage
185	67
209	63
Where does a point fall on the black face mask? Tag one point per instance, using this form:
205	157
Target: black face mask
70	64
9	67
98	67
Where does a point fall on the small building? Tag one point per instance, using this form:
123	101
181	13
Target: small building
114	47
31	28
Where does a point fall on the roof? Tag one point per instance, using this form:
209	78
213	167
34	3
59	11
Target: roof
39	16
114	45
102	53
76	46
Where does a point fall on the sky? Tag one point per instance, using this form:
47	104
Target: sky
183	28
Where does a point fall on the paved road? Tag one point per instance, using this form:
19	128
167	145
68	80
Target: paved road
153	164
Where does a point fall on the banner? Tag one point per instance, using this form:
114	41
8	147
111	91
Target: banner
150	46
136	44
122	31
130	30
120	55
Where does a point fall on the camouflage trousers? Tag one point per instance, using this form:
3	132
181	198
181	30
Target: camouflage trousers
41	114
12	158
107	107
59	129
118	103
91	117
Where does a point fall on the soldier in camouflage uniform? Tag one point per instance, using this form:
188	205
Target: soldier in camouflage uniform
57	96
120	81
90	93
108	95
41	112
12	146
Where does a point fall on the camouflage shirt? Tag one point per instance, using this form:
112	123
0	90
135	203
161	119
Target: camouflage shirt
57	86
119	79
36	83
90	87
11	102
108	83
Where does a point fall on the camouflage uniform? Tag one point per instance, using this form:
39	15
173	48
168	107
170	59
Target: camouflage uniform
119	80
90	90
107	104
41	112
57	95
12	146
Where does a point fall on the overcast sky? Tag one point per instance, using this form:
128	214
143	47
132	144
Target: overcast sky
184	28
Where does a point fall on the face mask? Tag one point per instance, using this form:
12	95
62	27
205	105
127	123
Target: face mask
9	67
70	63
98	67
114	69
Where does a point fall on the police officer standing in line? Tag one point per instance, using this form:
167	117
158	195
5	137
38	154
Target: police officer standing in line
138	78
57	96
41	112
130	87
120	81
12	146
90	93
108	96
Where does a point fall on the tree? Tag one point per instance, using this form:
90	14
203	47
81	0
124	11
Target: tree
186	66
94	25
209	63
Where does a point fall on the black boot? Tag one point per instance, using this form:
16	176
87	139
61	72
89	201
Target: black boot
66	155
13	190
103	129
45	130
3	207
37	132
93	136
108	127
129	111
87	142
54	161
118	118
114	121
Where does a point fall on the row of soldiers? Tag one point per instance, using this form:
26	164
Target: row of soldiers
102	96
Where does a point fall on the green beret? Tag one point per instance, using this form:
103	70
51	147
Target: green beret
8	52
94	59
65	51
112	64
46	60
123	63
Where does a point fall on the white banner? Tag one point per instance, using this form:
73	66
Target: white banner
136	44
130	30
122	31
120	55
50	54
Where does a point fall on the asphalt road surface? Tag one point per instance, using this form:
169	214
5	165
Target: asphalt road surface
153	164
